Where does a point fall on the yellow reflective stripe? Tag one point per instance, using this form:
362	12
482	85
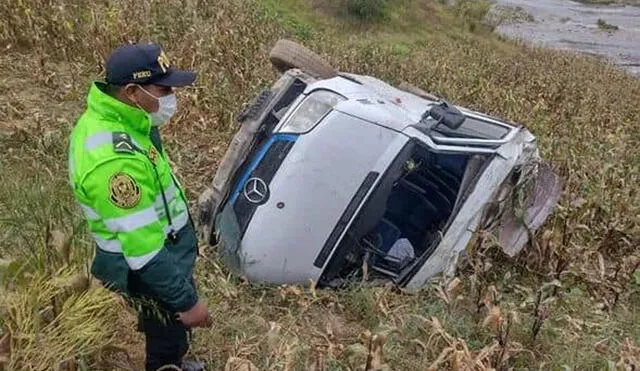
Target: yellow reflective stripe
132	221
113	246
89	213
138	262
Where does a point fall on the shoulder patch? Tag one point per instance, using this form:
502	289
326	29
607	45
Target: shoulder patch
124	192
122	142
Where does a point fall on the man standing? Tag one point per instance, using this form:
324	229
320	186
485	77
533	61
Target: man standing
135	207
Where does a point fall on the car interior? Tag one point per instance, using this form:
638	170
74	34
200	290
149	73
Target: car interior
405	217
417	210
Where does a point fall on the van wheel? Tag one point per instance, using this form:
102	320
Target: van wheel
287	54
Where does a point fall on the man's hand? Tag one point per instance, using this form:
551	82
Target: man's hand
197	316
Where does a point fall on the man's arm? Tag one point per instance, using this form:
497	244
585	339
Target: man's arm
123	194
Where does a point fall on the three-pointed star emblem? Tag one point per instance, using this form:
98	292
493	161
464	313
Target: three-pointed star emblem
256	190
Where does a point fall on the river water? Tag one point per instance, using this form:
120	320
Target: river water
569	25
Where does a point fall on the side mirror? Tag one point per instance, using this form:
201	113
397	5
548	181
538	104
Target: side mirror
447	114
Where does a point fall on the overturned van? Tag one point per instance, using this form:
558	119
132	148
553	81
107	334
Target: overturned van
337	177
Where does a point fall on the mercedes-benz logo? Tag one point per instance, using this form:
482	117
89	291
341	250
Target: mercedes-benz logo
256	190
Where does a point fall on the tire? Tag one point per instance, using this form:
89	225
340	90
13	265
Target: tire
287	54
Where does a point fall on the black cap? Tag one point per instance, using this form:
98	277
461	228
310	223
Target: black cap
144	64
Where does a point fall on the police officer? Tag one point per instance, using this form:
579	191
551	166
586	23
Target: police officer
135	207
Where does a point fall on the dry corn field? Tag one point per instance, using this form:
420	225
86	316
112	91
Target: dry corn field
569	301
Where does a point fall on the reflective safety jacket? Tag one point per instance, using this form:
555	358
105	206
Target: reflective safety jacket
135	207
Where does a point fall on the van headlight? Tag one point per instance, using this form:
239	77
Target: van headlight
311	111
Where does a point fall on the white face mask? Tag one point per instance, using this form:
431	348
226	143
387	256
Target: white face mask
167	107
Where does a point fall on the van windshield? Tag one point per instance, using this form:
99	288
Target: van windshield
475	128
471	128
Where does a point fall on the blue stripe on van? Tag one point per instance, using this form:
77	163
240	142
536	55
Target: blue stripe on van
256	160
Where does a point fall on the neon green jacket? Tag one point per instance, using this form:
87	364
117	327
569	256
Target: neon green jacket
135	207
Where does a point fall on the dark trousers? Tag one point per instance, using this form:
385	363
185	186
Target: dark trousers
166	340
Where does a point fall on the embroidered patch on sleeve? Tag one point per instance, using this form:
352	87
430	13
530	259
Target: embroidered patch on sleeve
124	191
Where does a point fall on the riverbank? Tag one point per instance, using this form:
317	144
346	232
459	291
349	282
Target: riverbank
611	32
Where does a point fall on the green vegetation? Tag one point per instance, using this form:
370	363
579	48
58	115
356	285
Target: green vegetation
603	25
367	9
570	301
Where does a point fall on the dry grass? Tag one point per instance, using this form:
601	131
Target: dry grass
60	316
571	299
